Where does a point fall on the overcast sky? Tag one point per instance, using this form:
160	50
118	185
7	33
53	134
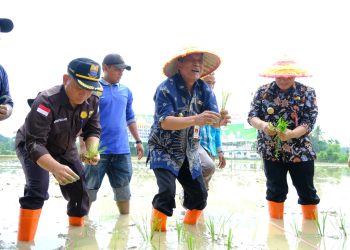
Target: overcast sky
247	35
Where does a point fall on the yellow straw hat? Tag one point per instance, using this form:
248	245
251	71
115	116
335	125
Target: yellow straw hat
285	68
210	61
210	76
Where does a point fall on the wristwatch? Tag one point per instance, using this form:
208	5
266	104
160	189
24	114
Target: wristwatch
138	142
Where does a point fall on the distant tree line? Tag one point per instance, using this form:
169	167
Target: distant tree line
326	150
7	145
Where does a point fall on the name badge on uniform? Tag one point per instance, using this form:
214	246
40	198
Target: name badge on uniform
196	132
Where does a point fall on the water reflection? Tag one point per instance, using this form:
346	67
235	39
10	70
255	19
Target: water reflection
276	235
81	238
120	233
237	196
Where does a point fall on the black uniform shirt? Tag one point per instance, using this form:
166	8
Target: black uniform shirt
53	124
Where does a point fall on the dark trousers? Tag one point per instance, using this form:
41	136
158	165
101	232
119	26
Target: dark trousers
195	192
302	175
37	184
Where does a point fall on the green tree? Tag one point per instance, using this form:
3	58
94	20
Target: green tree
7	145
318	143
333	152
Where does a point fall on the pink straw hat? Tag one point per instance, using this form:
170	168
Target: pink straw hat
210	61
285	68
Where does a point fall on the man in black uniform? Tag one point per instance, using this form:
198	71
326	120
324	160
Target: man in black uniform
46	143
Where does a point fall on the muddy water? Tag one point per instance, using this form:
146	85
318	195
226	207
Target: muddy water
236	207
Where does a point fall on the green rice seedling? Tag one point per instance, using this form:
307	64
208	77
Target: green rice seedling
321	225
211	227
190	242
229	239
295	228
222	227
281	127
93	150
342	224
225	96
144	231
179	230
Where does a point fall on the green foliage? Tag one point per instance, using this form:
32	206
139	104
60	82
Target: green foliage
333	153
93	151
318	143
281	127
7	145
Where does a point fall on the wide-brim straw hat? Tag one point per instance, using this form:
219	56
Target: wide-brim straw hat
285	68
211	61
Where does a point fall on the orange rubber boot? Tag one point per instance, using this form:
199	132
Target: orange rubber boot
76	221
28	223
276	209
158	221
192	216
309	212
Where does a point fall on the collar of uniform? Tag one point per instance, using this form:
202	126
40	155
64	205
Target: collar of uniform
105	83
181	82
64	98
274	87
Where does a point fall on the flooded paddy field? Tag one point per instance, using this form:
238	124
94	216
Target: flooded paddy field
236	216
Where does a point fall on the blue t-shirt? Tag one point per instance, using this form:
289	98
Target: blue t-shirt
116	114
211	139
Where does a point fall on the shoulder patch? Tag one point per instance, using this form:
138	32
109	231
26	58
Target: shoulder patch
45	111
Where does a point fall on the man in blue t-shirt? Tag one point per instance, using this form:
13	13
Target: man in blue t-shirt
116	115
6	103
210	144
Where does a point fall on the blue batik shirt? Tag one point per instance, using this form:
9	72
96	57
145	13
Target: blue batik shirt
168	149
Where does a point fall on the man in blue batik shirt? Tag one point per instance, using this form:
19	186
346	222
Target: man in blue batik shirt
6	103
183	103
